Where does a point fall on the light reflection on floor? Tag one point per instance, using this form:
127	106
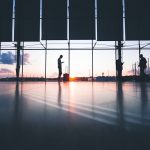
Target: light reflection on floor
75	106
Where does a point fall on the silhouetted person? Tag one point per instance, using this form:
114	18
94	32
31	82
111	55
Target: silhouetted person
119	68
142	65
60	67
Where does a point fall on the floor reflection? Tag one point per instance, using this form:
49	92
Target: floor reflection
59	94
16	105
144	100
93	100
120	105
39	115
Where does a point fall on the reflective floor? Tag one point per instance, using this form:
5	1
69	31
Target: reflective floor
74	116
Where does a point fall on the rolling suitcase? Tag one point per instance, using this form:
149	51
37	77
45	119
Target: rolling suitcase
65	77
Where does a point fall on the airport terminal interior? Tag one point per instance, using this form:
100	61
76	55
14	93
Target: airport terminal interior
74	75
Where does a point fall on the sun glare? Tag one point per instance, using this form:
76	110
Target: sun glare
72	78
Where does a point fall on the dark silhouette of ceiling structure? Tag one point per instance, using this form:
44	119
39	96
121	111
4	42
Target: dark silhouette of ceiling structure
74	20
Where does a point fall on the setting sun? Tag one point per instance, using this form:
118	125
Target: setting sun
72	78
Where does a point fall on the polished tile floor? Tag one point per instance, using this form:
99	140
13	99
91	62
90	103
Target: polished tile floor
74	116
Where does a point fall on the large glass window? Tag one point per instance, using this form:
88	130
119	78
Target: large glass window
52	66
131	61
81	63
104	63
34	65
7	63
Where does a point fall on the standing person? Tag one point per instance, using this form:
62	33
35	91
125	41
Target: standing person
60	67
142	65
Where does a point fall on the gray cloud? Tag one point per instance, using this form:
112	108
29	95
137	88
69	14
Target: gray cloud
138	71
130	71
9	58
26	57
53	75
5	70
